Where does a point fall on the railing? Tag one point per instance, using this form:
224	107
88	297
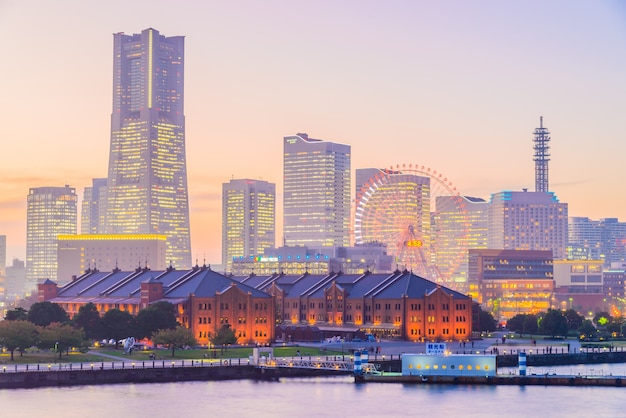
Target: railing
120	365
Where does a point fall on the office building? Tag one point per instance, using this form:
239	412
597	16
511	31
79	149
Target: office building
248	219
528	221
79	253
51	211
147	178
93	207
603	239
15	281
461	223
316	192
511	282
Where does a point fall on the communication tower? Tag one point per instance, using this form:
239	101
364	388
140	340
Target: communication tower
542	156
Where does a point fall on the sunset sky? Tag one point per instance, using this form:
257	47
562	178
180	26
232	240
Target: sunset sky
457	86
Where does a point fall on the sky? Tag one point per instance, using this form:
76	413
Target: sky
456	86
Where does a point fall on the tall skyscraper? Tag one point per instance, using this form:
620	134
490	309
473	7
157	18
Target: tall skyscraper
528	221
316	191
147	180
248	219
93	207
51	211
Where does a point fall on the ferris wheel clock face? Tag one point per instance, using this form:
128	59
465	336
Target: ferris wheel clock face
419	216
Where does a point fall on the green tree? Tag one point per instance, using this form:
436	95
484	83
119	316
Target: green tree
17	335
178	337
574	319
45	313
17	314
118	325
516	324
161	315
60	336
88	318
587	329
530	324
224	336
602	319
486	321
553	323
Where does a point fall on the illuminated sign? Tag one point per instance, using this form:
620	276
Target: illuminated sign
414	243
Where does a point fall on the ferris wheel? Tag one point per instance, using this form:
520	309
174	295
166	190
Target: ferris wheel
420	217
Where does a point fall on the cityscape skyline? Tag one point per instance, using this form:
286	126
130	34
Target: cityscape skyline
454	87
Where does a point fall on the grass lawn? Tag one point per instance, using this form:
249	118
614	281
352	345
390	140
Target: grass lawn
40	356
216	353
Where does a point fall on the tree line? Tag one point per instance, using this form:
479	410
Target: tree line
557	323
47	326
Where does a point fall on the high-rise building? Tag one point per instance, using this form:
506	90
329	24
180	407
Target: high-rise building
597	240
147	179
316	192
3	254
93	207
528	221
511	282
248	219
3	276
51	211
584	239
459	227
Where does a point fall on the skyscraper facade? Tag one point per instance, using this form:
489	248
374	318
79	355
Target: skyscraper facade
92	209
51	211
248	219
147	179
316	187
528	221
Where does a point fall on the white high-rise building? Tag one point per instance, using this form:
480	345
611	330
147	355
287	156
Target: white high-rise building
248	219
316	193
528	221
51	211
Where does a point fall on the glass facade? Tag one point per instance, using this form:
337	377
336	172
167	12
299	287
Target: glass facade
248	219
147	179
528	221
51	211
316	192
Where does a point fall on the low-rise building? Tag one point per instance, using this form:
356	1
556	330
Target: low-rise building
205	300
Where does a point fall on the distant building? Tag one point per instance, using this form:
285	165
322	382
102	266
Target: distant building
511	282
93	207
106	252
205	300
3	278
51	211
15	281
248	219
301	260
579	285
147	178
528	221
316	192
603	239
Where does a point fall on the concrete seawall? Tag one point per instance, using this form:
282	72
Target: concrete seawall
33	379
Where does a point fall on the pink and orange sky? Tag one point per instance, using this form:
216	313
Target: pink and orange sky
454	85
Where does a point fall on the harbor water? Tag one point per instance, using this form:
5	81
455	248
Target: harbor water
323	397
